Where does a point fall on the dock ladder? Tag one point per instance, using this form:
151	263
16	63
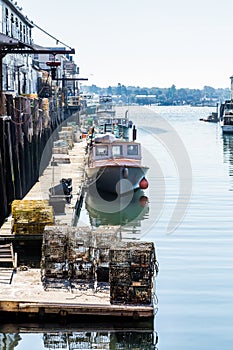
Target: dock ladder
7	256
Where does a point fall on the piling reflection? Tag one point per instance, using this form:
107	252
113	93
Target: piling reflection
9	341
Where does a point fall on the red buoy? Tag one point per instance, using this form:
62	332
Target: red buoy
143	184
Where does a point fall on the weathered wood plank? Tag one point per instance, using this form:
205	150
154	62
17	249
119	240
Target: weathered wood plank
78	309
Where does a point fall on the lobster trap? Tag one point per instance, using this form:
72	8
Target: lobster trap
131	271
31	216
66	254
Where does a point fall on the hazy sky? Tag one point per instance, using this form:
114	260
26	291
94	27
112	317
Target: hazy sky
142	43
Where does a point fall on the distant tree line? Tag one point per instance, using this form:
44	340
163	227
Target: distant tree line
208	96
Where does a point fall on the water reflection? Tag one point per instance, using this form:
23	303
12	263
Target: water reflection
9	341
228	152
104	336
109	211
99	340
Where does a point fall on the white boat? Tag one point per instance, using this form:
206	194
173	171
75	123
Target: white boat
226	120
114	165
89	102
105	105
117	125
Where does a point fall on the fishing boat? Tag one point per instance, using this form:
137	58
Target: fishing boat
226	120
105	105
117	125
114	165
89	102
109	122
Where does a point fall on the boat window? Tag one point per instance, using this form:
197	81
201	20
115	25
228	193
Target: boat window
229	121
101	150
132	150
107	128
117	150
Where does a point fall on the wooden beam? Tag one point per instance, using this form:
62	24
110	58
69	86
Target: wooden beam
65	309
17	51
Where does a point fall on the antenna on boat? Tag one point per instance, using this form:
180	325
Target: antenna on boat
92	135
134	133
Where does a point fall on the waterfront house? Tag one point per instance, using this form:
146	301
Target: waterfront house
23	74
18	74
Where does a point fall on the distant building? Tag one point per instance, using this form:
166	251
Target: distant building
145	99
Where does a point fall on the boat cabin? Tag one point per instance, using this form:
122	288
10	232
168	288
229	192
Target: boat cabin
113	125
228	117
127	150
114	121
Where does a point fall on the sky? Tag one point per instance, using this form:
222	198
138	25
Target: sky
147	43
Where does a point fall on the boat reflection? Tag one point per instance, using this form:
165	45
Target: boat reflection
228	148
110	209
228	152
106	336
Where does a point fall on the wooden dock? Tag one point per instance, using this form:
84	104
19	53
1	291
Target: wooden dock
51	177
26	293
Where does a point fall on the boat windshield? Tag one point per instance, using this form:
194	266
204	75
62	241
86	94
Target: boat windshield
228	120
117	150
102	150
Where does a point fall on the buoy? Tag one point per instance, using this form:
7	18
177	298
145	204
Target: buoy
143	184
143	200
125	172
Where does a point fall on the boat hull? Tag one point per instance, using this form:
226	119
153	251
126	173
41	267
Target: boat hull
227	129
117	179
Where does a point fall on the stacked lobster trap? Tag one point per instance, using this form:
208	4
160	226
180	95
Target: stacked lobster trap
60	147
31	216
85	258
67	253
131	273
67	134
77	254
103	238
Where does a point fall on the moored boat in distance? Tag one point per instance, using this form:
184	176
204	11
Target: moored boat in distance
212	118
89	102
226	118
114	165
105	105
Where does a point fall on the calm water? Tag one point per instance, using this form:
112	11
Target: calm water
191	164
